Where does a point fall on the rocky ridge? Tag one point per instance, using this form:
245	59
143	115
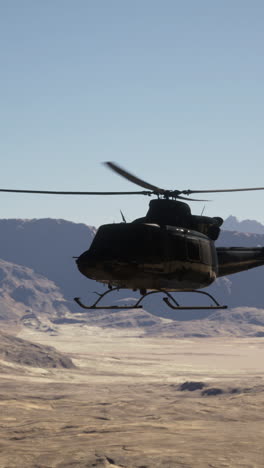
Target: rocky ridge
28	298
24	353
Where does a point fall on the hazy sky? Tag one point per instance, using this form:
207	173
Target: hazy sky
172	90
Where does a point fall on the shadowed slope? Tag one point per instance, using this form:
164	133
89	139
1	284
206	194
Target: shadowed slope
22	352
28	298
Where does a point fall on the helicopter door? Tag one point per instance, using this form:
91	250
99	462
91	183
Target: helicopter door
205	252
193	250
174	250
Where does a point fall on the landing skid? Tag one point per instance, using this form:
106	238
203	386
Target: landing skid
169	300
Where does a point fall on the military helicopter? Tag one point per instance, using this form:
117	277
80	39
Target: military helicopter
168	250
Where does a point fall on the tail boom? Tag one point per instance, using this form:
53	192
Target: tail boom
235	259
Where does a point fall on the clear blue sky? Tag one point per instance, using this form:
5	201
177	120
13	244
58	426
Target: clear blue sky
172	90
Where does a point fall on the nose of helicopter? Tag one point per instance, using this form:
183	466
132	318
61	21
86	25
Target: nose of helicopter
86	261
93	266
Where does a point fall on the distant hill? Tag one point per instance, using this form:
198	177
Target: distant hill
246	225
239	322
134	318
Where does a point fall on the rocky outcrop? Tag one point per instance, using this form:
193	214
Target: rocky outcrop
28	298
22	352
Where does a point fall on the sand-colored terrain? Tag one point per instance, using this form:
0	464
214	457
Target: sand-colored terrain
122	406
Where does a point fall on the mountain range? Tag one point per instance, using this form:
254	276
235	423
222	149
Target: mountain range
246	225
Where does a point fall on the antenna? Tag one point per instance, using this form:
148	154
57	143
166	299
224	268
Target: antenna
123	218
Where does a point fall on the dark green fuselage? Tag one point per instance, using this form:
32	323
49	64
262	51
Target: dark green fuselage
167	249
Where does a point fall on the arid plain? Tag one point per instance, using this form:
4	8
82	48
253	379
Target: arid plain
127	403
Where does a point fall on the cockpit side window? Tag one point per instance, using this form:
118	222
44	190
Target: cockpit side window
193	249
205	253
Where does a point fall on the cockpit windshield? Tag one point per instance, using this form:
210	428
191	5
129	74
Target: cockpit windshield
127	242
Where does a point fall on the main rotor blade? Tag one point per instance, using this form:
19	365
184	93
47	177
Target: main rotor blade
191	199
52	192
189	192
127	175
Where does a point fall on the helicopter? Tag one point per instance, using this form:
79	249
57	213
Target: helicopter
169	250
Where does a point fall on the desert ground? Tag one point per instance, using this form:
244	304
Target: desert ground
129	402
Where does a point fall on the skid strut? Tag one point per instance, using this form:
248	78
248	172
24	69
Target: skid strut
169	300
215	306
101	295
